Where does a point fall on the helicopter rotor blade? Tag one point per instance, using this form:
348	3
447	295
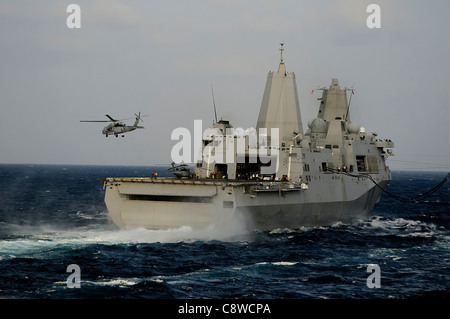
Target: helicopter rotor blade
96	121
112	120
138	116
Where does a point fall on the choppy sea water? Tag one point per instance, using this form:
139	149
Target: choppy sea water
53	216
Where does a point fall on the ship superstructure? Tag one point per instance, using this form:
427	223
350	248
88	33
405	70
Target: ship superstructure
273	176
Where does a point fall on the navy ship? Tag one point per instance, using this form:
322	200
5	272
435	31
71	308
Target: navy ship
276	175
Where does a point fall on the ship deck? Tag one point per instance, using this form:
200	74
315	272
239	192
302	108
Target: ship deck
258	185
186	181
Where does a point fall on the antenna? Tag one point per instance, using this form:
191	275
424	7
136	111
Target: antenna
214	103
350	101
281	52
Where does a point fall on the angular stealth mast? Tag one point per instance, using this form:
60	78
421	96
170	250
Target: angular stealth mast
280	107
334	105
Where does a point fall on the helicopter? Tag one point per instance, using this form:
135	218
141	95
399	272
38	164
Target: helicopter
180	171
118	127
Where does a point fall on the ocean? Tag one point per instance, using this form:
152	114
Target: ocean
54	216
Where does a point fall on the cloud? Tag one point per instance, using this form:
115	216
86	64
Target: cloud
114	11
268	24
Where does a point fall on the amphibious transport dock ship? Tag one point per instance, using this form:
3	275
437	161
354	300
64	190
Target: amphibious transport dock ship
273	176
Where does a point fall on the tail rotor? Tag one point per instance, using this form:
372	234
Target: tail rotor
138	118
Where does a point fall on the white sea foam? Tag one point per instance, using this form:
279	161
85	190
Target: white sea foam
401	224
182	234
279	263
38	240
119	282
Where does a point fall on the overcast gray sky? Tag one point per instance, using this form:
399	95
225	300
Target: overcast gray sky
161	57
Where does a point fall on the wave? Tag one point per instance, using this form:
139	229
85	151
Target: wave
25	240
403	227
43	240
279	263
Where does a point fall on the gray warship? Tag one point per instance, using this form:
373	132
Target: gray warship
275	175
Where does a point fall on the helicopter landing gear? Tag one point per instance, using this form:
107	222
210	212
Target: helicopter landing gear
123	135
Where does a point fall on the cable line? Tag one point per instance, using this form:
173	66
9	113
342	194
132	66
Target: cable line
400	198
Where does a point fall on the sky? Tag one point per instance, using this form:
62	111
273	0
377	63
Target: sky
162	57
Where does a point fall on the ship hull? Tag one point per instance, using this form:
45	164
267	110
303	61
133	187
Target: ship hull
170	203
312	214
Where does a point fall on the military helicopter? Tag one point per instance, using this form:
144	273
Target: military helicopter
180	171
118	127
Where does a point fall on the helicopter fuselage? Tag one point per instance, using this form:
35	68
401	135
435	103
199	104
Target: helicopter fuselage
117	128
